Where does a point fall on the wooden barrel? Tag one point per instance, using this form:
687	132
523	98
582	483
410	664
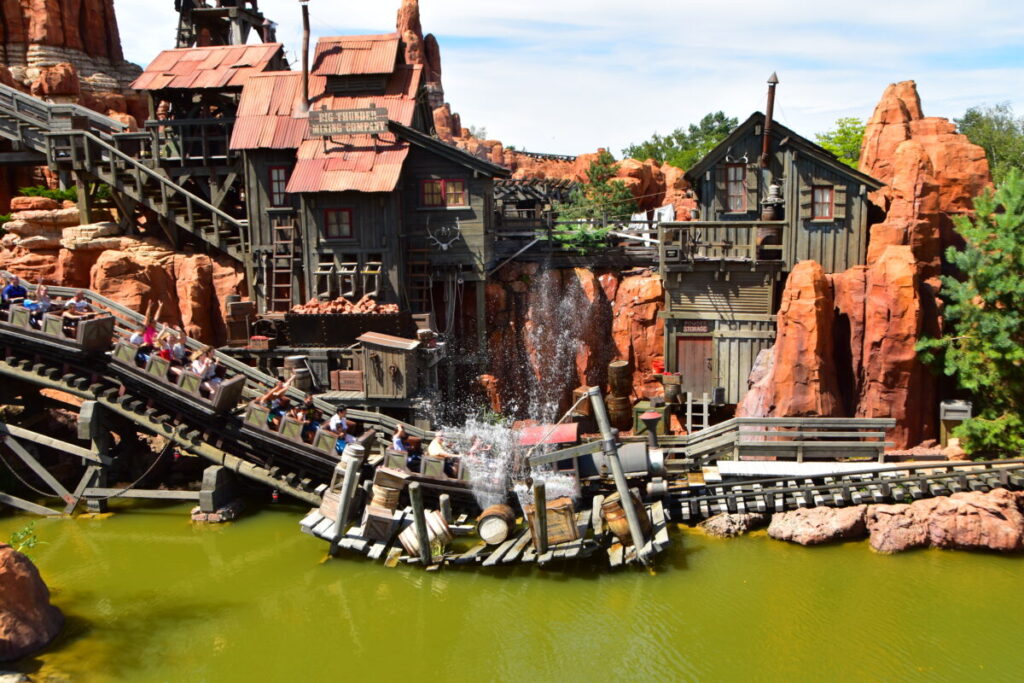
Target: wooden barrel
293	362
303	380
620	412
496	524
437	530
385	497
615	517
620	378
584	408
673	393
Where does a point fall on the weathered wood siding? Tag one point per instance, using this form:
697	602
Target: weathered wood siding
836	244
257	166
375	236
473	248
707	293
735	345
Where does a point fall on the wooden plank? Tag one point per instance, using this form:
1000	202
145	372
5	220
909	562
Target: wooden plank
520	544
27	506
615	553
595	517
660	525
147	494
496	556
470	555
310	521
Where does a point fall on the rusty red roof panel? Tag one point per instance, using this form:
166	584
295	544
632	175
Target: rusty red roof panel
208	67
356	55
560	434
364	167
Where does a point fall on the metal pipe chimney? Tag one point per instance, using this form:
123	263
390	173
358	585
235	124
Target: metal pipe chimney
768	117
305	54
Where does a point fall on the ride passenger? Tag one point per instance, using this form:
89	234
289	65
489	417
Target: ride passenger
273	400
40	305
339	426
14	292
313	418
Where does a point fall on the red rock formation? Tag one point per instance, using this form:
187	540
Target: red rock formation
28	622
969	521
849	290
813	526
551	331
804	379
896	384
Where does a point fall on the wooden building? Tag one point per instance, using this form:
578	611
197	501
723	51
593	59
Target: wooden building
354	196
724	272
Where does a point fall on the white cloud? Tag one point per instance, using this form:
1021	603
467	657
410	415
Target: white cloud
571	75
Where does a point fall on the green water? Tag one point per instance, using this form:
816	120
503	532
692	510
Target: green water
150	597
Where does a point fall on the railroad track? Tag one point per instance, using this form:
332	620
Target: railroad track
901	484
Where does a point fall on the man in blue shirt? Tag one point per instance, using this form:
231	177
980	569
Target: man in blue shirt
14	291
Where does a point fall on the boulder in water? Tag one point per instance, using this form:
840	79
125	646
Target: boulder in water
812	526
728	525
28	622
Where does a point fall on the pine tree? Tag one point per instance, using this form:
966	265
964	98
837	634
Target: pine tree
984	347
582	220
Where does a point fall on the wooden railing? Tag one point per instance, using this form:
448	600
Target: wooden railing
682	243
86	152
188	141
54	117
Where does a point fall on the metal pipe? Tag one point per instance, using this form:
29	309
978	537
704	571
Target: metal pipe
305	54
540	516
353	460
512	258
611	455
419	518
769	115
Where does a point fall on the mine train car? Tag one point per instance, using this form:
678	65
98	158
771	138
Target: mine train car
93	336
184	388
322	450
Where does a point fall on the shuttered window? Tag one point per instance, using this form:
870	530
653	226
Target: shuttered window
824	203
338	224
736	187
444	193
278	183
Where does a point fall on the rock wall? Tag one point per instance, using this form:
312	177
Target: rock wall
878	311
46	245
28	622
552	331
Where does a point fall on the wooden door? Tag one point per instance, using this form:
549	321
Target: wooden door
693	363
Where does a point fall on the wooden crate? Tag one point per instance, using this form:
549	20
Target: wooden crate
561	521
258	343
349	380
378	523
395	479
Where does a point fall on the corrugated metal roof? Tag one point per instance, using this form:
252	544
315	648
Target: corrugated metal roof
559	434
267	112
207	67
356	55
358	166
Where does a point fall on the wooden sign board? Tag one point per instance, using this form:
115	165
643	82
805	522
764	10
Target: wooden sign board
330	122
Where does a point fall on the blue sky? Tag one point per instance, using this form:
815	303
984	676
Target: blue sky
568	76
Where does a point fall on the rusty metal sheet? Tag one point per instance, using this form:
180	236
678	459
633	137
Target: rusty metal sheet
356	55
560	434
207	67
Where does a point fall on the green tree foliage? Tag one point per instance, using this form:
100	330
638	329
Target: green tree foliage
25	538
684	148
844	140
983	347
1000	133
582	218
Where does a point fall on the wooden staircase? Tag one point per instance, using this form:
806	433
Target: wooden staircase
84	142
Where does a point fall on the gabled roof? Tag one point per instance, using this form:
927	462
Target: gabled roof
227	66
449	152
780	134
356	55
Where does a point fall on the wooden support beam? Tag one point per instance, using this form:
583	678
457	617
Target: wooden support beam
540	516
87	478
352	459
56	444
29	460
97	492
27	506
420	521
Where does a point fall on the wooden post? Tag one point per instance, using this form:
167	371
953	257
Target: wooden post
353	460
540	516
84	201
611	454
445	502
420	520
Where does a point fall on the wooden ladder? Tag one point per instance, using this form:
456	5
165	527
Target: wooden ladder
697	412
282	267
